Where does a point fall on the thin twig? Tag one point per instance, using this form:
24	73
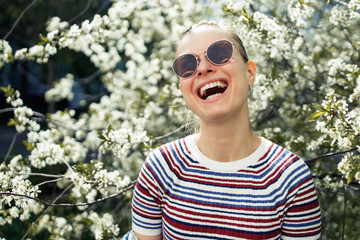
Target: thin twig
18	19
175	131
344	213
38	219
330	155
170	133
88	79
342	2
81	13
129	187
49	181
67	164
4	110
43	118
11	146
41	174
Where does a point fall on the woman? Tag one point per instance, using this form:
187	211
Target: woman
224	182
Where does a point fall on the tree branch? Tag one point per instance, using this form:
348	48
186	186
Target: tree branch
129	187
170	133
344	212
330	155
37	220
41	117
41	174
11	146
49	181
81	13
18	19
4	110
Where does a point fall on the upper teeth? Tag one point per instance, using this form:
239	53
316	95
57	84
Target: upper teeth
211	85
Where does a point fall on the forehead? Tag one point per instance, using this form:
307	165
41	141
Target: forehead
200	38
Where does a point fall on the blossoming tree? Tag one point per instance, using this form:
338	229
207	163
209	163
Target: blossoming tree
306	97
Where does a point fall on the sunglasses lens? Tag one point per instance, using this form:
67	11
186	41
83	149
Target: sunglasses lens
220	52
185	65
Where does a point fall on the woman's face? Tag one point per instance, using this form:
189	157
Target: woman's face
215	93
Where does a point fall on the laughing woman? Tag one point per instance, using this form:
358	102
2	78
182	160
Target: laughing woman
224	182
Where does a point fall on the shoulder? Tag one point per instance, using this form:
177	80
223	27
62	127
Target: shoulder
168	153
279	155
288	163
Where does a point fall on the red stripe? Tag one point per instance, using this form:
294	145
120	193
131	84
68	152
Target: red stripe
235	182
195	216
254	234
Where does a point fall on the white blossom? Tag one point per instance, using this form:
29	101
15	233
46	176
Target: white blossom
103	224
5	53
62	90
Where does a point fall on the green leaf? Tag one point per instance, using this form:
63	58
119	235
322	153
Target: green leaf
8	91
10	55
100	135
28	145
11	122
44	40
108	130
351	176
315	116
322	109
102	143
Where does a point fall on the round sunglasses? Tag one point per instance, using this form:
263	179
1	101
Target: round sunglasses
218	53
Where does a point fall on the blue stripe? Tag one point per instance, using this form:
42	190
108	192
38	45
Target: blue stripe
165	180
192	193
222	210
146	225
306	224
145	206
184	234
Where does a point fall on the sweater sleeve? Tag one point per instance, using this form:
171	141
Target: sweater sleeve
146	204
302	218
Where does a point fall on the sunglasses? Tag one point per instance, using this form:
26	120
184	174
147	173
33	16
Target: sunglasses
218	53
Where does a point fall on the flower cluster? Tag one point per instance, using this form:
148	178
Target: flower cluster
62	90
345	14
22	114
337	122
103	225
13	180
120	141
91	179
299	12
38	53
5	53
347	167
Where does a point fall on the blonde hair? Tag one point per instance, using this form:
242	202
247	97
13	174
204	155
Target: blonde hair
222	25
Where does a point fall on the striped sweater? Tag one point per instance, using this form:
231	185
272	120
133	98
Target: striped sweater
185	195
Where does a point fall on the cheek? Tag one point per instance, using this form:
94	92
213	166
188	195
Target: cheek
185	88
186	92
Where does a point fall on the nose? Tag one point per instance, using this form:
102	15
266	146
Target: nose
204	67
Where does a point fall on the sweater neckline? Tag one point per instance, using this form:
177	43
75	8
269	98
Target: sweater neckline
233	166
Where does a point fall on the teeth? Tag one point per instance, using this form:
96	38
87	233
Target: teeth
211	85
213	96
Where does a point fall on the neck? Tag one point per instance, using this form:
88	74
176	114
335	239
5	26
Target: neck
228	141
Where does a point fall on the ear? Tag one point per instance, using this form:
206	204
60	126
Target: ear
251	69
180	88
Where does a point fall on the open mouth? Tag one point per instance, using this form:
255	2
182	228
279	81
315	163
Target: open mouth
212	90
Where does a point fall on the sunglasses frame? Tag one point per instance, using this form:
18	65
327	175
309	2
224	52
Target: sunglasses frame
207	57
